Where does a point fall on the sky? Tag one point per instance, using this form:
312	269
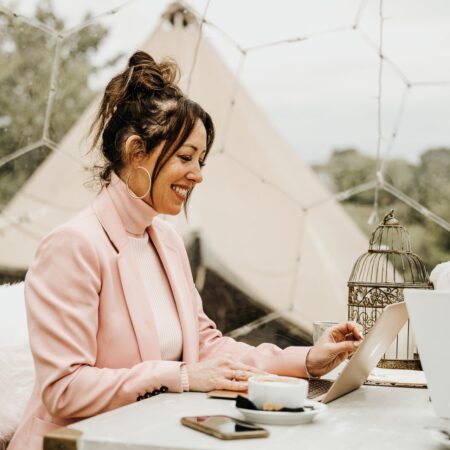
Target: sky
322	92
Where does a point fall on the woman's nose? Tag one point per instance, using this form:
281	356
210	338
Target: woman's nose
195	175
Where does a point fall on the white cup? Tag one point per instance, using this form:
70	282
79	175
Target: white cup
281	391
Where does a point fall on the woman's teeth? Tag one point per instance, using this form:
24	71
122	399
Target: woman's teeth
180	190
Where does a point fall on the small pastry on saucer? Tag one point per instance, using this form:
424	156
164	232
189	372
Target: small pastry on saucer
271	407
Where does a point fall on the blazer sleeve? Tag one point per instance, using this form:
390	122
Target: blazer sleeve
62	297
269	357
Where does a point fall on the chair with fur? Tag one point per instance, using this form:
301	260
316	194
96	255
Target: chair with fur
16	363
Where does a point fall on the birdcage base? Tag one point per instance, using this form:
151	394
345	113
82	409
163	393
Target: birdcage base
406	364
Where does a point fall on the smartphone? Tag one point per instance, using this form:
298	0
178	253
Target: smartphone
225	427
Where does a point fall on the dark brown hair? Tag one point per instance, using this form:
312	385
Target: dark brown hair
145	100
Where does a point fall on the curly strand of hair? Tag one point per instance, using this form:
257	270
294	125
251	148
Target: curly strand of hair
127	81
107	107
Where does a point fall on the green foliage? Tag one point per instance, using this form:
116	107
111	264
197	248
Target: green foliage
427	182
26	59
348	168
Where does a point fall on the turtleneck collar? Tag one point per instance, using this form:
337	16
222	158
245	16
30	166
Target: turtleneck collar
136	215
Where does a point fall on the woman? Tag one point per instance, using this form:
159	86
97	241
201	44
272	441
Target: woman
113	312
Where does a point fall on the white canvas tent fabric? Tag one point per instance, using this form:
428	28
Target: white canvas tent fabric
253	211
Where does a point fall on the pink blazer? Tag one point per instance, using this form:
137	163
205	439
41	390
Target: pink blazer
93	335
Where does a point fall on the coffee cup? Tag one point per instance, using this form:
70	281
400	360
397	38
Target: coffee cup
277	391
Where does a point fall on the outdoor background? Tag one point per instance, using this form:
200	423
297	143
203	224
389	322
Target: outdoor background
358	88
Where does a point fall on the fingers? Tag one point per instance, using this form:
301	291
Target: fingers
349	330
220	373
230	385
240	375
351	337
237	375
345	346
226	373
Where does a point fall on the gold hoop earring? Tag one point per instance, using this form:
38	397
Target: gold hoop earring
130	192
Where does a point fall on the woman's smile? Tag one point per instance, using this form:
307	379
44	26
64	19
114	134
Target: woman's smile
180	191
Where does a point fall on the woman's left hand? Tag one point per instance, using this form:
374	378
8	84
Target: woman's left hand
333	347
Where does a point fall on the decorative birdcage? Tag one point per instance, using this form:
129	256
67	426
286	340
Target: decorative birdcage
378	279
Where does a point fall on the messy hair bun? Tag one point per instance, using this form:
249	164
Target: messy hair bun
156	75
143	77
145	100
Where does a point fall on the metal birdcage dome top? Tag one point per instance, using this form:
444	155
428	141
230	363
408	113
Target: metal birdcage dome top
390	260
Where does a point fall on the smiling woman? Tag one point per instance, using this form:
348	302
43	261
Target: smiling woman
181	173
170	189
144	120
114	315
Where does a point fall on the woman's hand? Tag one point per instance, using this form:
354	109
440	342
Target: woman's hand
333	347
220	373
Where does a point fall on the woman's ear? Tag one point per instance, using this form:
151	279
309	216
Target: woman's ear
134	151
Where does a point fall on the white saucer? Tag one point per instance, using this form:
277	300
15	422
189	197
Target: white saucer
283	417
440	438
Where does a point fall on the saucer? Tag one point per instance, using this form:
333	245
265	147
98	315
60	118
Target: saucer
282	417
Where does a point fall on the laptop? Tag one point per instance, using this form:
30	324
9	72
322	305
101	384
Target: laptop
429	313
363	361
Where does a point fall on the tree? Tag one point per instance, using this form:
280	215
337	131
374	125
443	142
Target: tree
427	182
348	168
434	193
26	58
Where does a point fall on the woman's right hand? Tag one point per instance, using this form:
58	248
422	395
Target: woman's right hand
220	373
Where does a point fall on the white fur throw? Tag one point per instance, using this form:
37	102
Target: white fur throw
16	363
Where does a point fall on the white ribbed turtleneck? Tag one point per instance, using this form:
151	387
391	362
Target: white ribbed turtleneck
160	296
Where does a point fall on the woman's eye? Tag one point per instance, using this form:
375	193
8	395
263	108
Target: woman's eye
188	158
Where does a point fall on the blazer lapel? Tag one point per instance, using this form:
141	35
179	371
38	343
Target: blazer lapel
139	308
171	260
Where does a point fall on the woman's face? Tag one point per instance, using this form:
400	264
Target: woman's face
179	175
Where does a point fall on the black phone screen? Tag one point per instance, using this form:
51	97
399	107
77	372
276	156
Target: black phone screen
224	426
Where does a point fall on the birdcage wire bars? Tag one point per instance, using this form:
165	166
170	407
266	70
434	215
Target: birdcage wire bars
378	279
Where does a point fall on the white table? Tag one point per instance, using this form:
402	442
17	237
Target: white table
369	418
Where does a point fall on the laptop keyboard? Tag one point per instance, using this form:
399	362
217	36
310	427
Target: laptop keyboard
318	387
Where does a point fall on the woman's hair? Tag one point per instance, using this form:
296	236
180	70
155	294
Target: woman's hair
145	100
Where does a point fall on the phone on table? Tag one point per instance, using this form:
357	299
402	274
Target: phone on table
225	427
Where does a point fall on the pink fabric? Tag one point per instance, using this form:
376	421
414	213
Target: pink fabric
92	332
